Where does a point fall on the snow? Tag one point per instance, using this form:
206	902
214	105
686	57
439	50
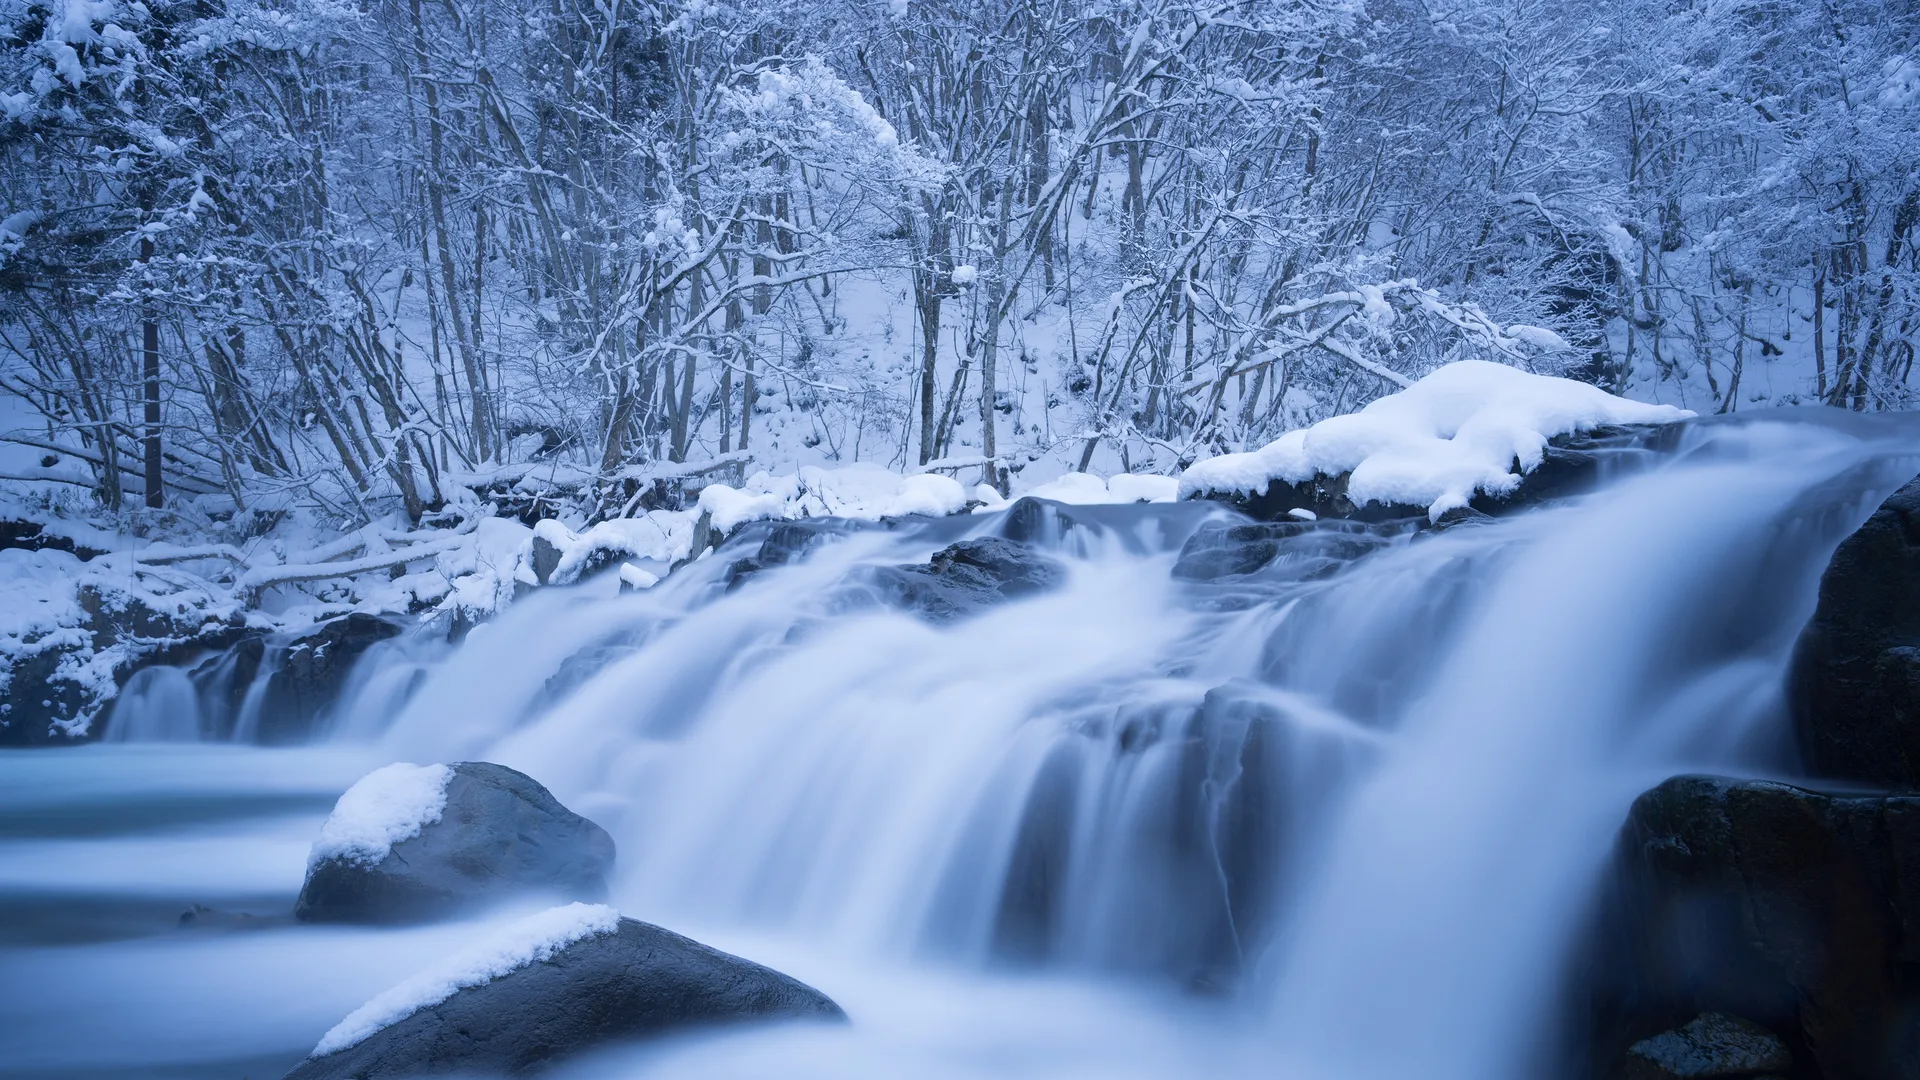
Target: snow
661	535
1085	489
634	577
863	492
1454	433
386	806
534	939
486	573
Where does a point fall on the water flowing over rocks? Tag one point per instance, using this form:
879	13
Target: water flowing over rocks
968	577
1297	550
636	982
499	835
1855	683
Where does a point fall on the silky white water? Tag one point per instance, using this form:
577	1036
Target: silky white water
1335	826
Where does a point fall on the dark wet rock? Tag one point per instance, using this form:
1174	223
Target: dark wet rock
786	542
33	536
312	671
967	578
1855	681
1297	550
1709	1045
546	558
44	701
1038	521
501	835
202	917
638	982
1461	516
1571	465
1794	909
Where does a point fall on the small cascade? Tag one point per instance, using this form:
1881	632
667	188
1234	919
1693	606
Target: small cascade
1365	790
158	704
273	690
1349	787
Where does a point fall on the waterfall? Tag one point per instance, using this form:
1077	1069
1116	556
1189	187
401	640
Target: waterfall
1373	804
1355	808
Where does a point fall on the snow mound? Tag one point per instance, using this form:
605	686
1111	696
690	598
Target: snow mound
661	535
534	939
863	492
1435	444
1084	489
386	806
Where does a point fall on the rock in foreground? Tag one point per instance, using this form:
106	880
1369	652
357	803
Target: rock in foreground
412	843
1710	1045
554	985
1792	908
1856	671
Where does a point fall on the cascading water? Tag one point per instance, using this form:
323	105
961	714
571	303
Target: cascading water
1339	819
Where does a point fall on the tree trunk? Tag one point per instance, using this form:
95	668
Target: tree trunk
150	384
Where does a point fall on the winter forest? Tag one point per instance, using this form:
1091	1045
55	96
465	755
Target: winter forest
353	254
918	540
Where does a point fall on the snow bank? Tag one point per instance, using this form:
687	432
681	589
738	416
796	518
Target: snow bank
1456	432
1085	489
866	492
485	573
661	535
386	806
534	939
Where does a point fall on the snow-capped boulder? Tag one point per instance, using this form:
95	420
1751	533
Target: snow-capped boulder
1856	671
409	843
546	988
968	577
1470	433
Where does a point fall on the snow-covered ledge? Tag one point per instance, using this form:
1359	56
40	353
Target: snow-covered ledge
1457	433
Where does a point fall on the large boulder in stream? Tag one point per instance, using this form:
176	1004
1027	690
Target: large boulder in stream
1855	682
410	843
556	984
968	577
1791	908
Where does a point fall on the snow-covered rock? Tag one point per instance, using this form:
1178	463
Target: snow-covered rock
858	492
1086	489
410	843
381	809
1455	434
531	940
548	988
562	556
